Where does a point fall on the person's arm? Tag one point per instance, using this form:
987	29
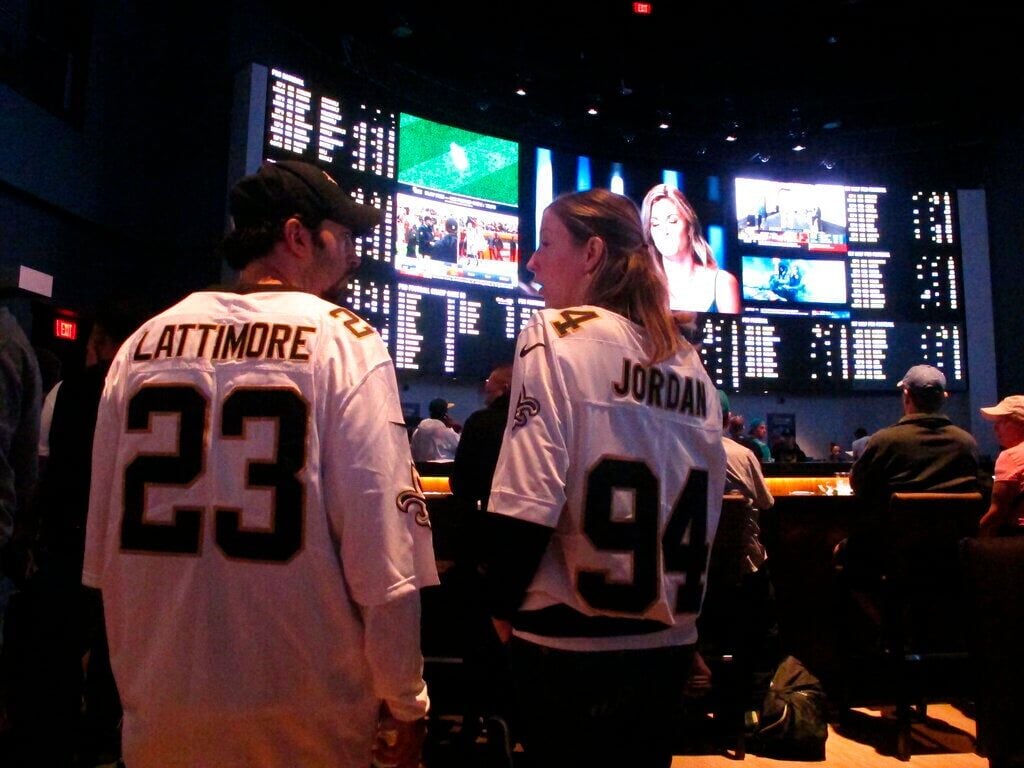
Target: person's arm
512	550
392	643
727	292
1000	510
763	498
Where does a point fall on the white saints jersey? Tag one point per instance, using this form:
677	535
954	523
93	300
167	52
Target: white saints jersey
251	485
624	460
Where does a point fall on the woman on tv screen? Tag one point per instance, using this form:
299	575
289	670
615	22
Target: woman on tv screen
675	241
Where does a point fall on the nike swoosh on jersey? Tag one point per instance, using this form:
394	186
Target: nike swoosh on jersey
527	350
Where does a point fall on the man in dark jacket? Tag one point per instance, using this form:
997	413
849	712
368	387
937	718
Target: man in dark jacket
923	452
480	443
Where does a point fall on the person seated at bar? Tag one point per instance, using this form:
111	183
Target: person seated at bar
436	438
1007	504
923	452
738	611
786	449
860	442
757	440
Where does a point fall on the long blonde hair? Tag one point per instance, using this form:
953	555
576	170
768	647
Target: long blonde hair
627	281
701	249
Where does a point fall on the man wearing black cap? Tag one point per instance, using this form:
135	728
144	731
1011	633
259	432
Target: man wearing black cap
255	522
435	438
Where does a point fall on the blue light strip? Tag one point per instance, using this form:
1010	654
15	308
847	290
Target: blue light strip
544	191
583	173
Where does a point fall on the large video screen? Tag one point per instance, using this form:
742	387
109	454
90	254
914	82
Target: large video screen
458	195
845	286
440	276
799	285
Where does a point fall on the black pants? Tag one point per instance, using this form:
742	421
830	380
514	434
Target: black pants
605	708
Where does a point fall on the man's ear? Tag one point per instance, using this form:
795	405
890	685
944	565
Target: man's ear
593	255
297	236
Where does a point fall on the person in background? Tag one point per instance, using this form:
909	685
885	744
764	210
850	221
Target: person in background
1006	507
786	449
924	451
51	370
738	611
593	565
676	243
860	442
20	403
63	701
436	438
758	435
836	452
736	427
488	683
480	441
446	246
255	523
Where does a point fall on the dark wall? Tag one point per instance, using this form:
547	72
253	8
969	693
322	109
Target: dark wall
1005	198
131	195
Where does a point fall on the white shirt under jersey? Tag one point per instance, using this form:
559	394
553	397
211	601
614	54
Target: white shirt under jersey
254	516
625	462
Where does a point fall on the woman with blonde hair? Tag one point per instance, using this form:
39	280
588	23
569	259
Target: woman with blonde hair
605	499
674	239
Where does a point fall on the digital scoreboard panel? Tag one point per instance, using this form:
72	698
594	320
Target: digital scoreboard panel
844	284
440	276
844	287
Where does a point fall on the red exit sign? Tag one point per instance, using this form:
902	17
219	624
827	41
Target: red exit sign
65	329
643	9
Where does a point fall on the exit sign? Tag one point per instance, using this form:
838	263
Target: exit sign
65	329
643	9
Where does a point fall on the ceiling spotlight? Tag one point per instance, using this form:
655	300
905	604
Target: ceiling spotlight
799	147
592	110
664	125
828	163
732	131
731	136
520	91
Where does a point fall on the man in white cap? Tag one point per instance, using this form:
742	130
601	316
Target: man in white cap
1007	419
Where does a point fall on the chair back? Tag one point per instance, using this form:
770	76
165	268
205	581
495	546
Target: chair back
923	587
994	575
736	526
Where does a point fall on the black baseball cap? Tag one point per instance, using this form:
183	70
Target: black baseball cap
290	187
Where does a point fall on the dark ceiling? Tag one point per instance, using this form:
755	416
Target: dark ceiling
852	80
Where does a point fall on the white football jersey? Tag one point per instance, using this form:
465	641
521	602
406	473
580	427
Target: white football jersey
624	461
252	484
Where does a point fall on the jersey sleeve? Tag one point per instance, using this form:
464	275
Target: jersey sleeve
375	507
530	477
